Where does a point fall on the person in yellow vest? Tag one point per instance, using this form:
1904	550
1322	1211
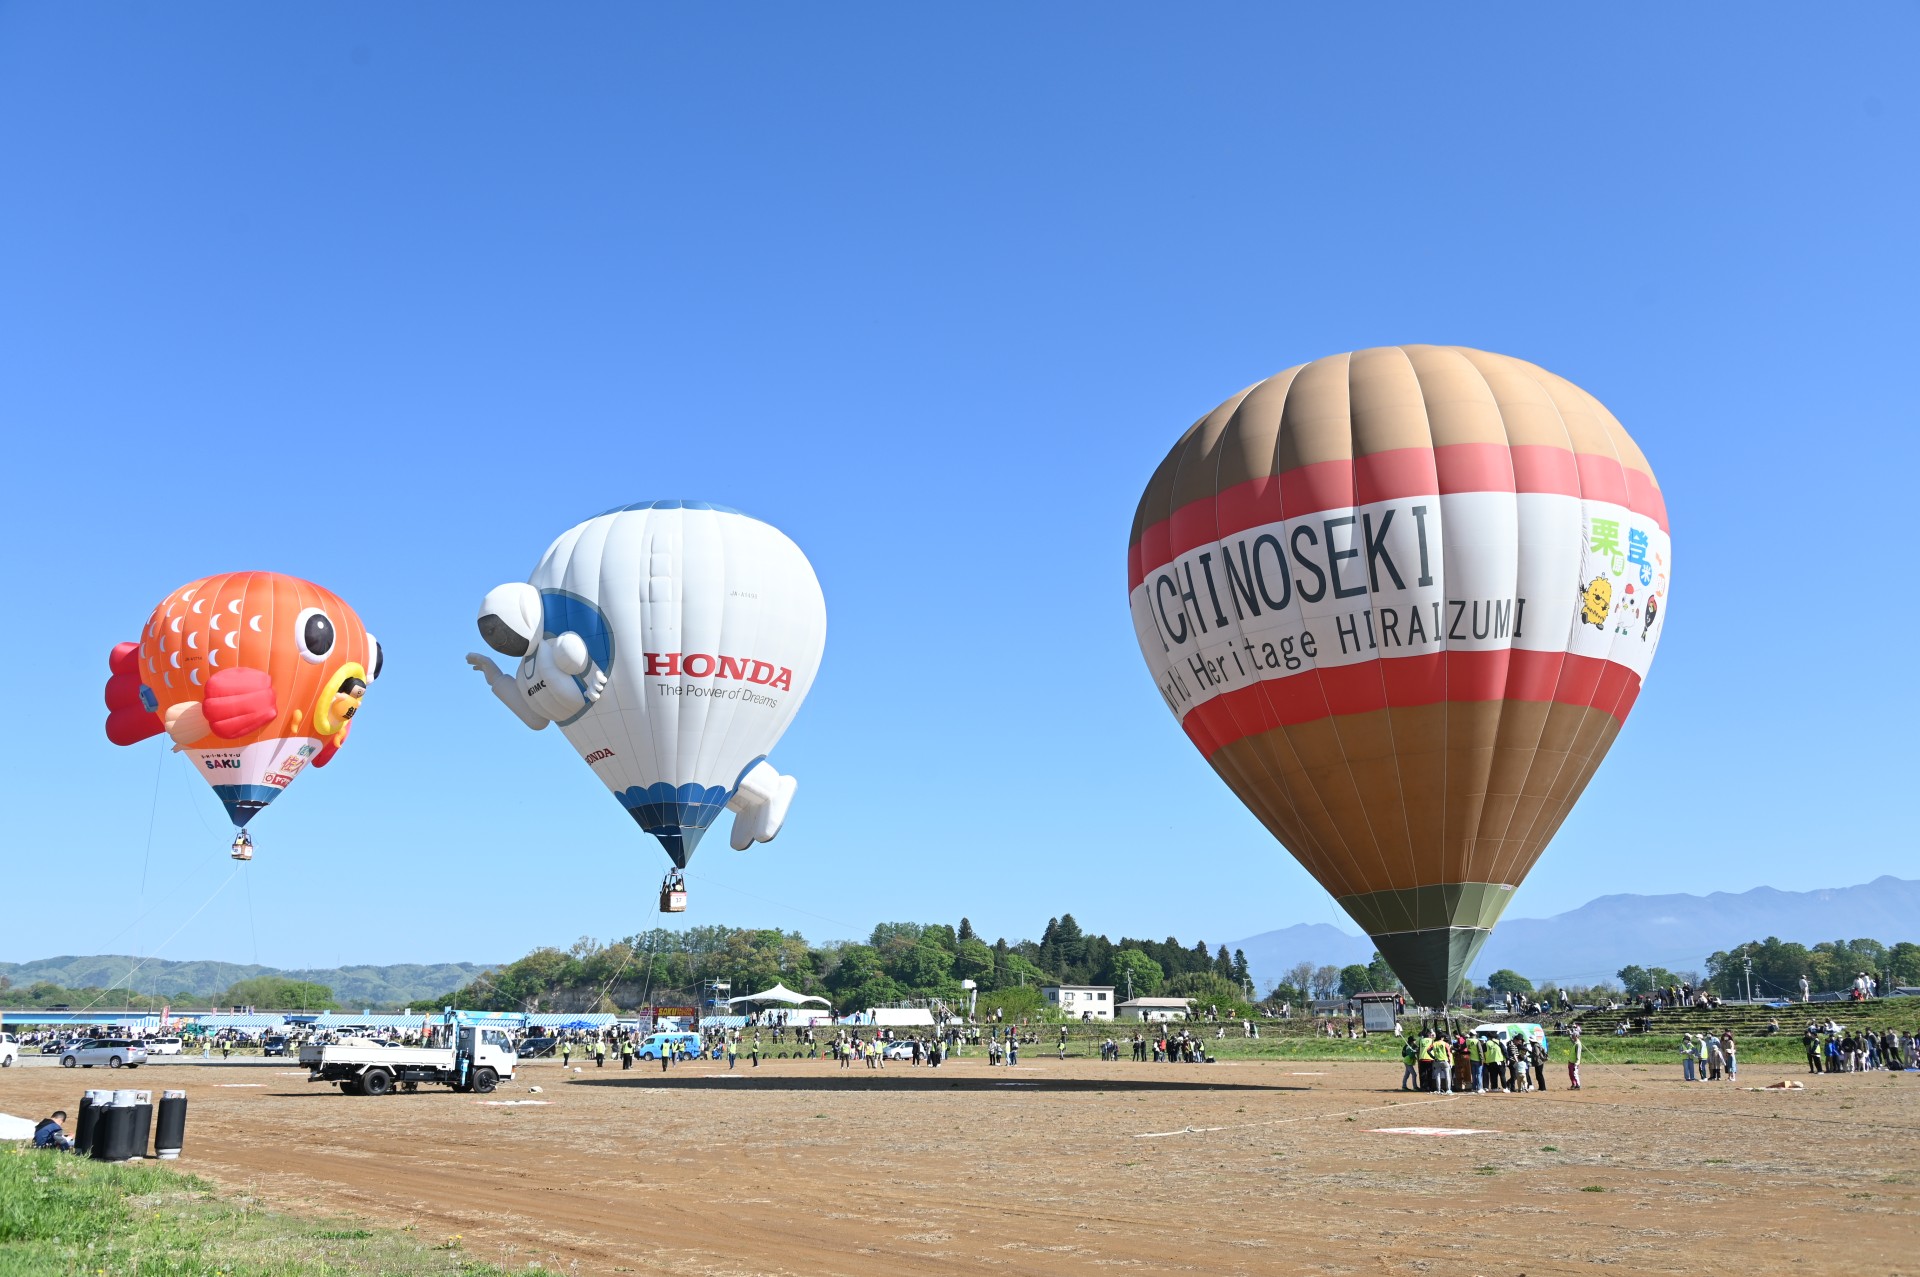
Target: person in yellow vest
626	1052
566	1053
599	1053
1440	1053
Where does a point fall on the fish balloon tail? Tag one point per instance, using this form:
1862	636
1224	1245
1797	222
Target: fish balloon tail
132	710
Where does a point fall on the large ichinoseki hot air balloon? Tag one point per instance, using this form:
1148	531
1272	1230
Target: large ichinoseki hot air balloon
1402	600
672	641
254	675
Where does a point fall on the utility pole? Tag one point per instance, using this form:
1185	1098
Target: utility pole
1749	964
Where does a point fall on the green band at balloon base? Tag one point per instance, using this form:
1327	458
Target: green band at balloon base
1430	935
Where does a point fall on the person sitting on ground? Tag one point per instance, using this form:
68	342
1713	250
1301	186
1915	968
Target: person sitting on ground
48	1133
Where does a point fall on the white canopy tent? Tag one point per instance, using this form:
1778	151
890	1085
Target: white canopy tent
781	994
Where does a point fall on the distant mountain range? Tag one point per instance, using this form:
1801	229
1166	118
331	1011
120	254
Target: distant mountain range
352	986
1591	943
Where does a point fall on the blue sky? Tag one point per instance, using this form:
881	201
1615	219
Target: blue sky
389	297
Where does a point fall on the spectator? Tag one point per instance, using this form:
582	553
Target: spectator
48	1133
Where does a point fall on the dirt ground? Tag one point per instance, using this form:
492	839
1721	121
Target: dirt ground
1073	1167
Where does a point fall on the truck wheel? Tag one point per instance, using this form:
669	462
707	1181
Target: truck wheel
484	1081
376	1082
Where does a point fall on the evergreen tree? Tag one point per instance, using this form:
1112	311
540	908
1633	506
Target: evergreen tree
1069	947
1223	964
1242	975
966	930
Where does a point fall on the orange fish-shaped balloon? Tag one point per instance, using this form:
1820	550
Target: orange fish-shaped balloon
253	674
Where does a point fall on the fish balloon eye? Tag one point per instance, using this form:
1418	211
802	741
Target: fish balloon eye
314	630
377	658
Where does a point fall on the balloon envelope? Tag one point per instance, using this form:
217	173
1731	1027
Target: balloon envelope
1402	600
259	674
709	626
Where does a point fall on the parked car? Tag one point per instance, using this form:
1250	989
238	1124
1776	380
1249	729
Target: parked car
9	1050
112	1052
534	1048
900	1050
274	1044
163	1046
656	1044
57	1046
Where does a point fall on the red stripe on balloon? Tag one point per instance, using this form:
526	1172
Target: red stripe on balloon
1645	498
1392	475
1404	682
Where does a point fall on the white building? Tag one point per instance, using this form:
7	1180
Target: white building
1081	1001
1162	1009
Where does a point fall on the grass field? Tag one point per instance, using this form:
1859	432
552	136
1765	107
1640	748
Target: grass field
61	1214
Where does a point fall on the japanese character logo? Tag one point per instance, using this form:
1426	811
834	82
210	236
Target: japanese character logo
1603	542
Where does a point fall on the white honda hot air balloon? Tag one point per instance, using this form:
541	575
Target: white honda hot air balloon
673	642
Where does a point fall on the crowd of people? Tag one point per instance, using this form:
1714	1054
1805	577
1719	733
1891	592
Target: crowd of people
1709	1057
1833	1048
1508	1060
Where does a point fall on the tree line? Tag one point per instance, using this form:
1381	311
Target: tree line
1778	967
279	993
898	962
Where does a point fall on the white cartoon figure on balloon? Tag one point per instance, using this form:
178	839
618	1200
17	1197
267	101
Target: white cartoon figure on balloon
559	674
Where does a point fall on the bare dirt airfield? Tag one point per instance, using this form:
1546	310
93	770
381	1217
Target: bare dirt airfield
1058	1167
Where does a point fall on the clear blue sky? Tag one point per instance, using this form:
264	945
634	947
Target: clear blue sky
388	297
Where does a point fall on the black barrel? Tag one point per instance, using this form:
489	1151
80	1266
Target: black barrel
142	1122
170	1135
91	1105
113	1136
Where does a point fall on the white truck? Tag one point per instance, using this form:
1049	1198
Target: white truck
473	1058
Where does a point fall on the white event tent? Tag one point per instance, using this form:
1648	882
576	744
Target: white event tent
781	994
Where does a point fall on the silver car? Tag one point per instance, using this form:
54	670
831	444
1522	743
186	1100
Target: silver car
112	1052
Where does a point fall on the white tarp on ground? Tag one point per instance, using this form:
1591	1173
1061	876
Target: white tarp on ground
15	1128
778	993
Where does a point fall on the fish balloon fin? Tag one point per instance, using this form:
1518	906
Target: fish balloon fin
238	701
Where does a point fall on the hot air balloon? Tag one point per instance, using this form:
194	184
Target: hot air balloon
253	674
672	641
1402	600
